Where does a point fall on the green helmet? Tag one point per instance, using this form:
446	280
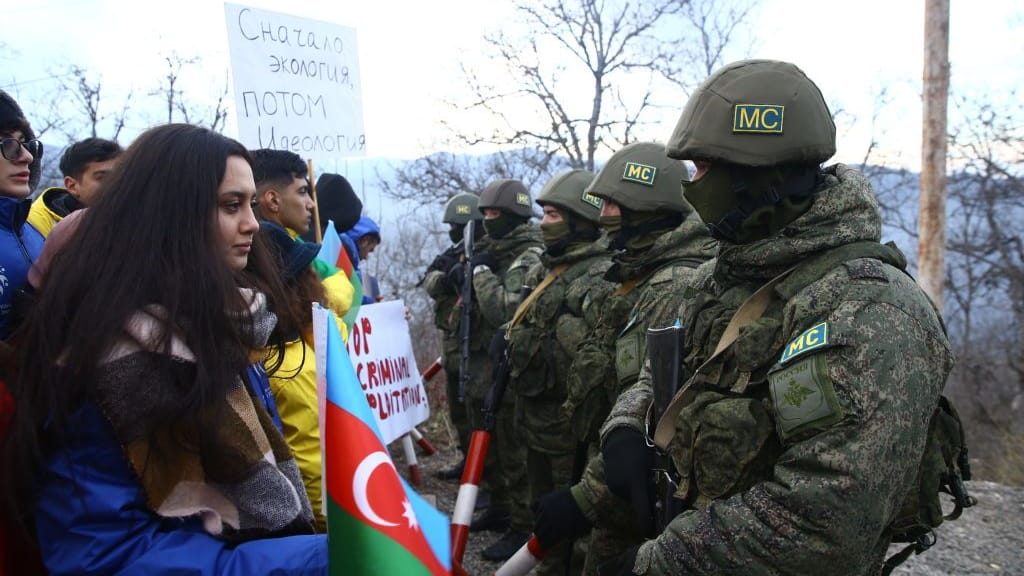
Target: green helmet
755	113
508	195
568	191
461	208
641	178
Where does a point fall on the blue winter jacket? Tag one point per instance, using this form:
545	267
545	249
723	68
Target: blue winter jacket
92	518
350	240
20	245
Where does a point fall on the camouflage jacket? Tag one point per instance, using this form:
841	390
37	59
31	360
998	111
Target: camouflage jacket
446	317
797	446
497	294
543	343
609	360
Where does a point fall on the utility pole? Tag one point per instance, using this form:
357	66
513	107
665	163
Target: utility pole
931	246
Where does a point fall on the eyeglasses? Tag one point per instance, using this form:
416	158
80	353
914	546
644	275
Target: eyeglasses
10	148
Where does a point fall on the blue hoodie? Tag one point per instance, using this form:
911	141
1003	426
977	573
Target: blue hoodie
20	245
350	240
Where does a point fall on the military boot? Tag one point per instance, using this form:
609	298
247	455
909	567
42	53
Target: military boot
506	546
454	473
492	520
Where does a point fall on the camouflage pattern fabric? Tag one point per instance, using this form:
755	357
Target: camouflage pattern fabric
542	346
497	296
446	318
673	259
798	447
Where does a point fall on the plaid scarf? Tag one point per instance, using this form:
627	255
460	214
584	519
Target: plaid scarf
229	465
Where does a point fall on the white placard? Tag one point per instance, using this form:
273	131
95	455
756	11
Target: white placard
297	84
382	355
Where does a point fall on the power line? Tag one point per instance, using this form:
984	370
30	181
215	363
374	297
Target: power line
34	80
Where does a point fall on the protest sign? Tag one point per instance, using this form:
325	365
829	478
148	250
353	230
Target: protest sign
297	84
381	352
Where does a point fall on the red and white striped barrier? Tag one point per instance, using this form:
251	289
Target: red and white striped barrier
524	560
423	443
415	476
465	503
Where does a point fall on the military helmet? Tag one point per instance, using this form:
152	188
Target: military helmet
755	113
568	191
461	208
641	178
508	195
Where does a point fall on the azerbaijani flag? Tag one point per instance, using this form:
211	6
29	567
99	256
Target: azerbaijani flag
376	523
333	253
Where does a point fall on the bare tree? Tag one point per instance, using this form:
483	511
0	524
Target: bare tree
587	75
89	96
180	104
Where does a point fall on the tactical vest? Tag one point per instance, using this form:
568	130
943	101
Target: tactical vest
726	437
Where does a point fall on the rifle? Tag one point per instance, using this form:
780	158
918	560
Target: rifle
663	349
467	308
473	470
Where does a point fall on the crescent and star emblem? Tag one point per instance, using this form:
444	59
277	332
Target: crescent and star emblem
359	485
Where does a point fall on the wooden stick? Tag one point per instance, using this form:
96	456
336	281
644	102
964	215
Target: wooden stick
316	205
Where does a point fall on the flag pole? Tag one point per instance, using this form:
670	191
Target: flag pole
316	205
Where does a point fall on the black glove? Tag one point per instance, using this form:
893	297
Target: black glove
628	461
621	566
485	258
557	517
457	276
444	261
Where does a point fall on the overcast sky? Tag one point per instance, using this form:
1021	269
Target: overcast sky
409	51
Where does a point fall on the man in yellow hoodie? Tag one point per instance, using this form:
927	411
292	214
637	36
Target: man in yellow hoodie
84	164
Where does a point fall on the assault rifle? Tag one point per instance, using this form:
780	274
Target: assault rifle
466	296
663	349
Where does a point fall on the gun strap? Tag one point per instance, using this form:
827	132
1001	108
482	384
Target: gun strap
525	305
751	310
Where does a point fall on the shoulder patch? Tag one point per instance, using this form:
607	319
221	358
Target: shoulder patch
592	200
804	397
813	338
758	118
640	173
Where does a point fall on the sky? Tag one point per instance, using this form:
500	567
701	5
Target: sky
409	53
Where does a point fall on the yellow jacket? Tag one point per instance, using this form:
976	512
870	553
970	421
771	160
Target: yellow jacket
51	207
338	290
294	388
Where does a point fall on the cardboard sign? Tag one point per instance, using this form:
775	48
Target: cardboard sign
297	84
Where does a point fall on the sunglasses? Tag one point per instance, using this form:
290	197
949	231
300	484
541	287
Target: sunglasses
10	148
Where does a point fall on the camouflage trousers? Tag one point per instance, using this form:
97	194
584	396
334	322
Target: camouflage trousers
457	411
546	473
615	531
505	466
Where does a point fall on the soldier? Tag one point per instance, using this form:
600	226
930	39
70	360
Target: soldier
546	331
661	242
458	211
511	248
797	443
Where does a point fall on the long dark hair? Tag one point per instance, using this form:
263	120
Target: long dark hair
150	239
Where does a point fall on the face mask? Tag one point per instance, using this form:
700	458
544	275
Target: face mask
554	232
499	227
711	195
611	224
455	233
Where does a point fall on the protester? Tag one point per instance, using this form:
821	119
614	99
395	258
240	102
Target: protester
85	165
283	197
143	440
337	202
292	373
20	243
360	241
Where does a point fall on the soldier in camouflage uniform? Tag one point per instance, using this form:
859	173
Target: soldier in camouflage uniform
499	272
546	331
798	443
458	211
661	242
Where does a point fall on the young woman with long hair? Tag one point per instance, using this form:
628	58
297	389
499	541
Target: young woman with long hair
143	439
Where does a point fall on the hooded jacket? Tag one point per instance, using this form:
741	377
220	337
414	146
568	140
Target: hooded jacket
20	245
50	207
350	240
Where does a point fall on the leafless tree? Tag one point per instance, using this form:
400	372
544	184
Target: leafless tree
179	104
588	74
87	92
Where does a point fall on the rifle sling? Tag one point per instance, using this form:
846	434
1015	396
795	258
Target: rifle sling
525	305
